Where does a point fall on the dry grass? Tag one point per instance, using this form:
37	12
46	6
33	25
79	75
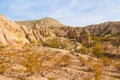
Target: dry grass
45	61
62	60
32	63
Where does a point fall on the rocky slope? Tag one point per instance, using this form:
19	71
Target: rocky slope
38	31
61	30
52	51
104	28
10	32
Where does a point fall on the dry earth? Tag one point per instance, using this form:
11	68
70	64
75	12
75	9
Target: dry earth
43	63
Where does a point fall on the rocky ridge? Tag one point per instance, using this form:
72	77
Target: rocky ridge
45	22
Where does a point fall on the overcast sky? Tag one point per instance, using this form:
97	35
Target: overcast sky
69	12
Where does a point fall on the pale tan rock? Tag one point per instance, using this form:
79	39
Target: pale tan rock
36	78
5	78
45	22
10	32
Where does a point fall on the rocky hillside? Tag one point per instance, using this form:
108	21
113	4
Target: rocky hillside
104	28
10	32
48	50
45	22
38	31
61	30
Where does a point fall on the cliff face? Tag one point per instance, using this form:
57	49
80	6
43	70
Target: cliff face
10	32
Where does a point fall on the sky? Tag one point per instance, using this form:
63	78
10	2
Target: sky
68	12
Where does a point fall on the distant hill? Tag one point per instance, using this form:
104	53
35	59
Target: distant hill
36	31
97	29
104	28
45	22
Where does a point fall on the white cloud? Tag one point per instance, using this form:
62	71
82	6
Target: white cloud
88	12
64	12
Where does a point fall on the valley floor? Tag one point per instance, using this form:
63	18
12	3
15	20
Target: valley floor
44	63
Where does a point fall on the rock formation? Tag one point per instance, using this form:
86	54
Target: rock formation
10	32
84	36
37	31
104	28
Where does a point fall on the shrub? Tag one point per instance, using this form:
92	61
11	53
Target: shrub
62	60
3	67
51	43
83	50
116	42
33	64
98	51
66	59
117	65
98	71
106	61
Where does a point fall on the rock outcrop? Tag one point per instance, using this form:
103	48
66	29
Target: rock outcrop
37	31
10	32
84	36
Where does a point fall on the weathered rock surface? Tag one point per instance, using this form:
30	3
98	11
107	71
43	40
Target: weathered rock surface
84	36
10	32
104	28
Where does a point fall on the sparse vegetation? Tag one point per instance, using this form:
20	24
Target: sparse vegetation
63	60
44	51
116	42
32	63
98	71
83	50
98	51
106	61
51	43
